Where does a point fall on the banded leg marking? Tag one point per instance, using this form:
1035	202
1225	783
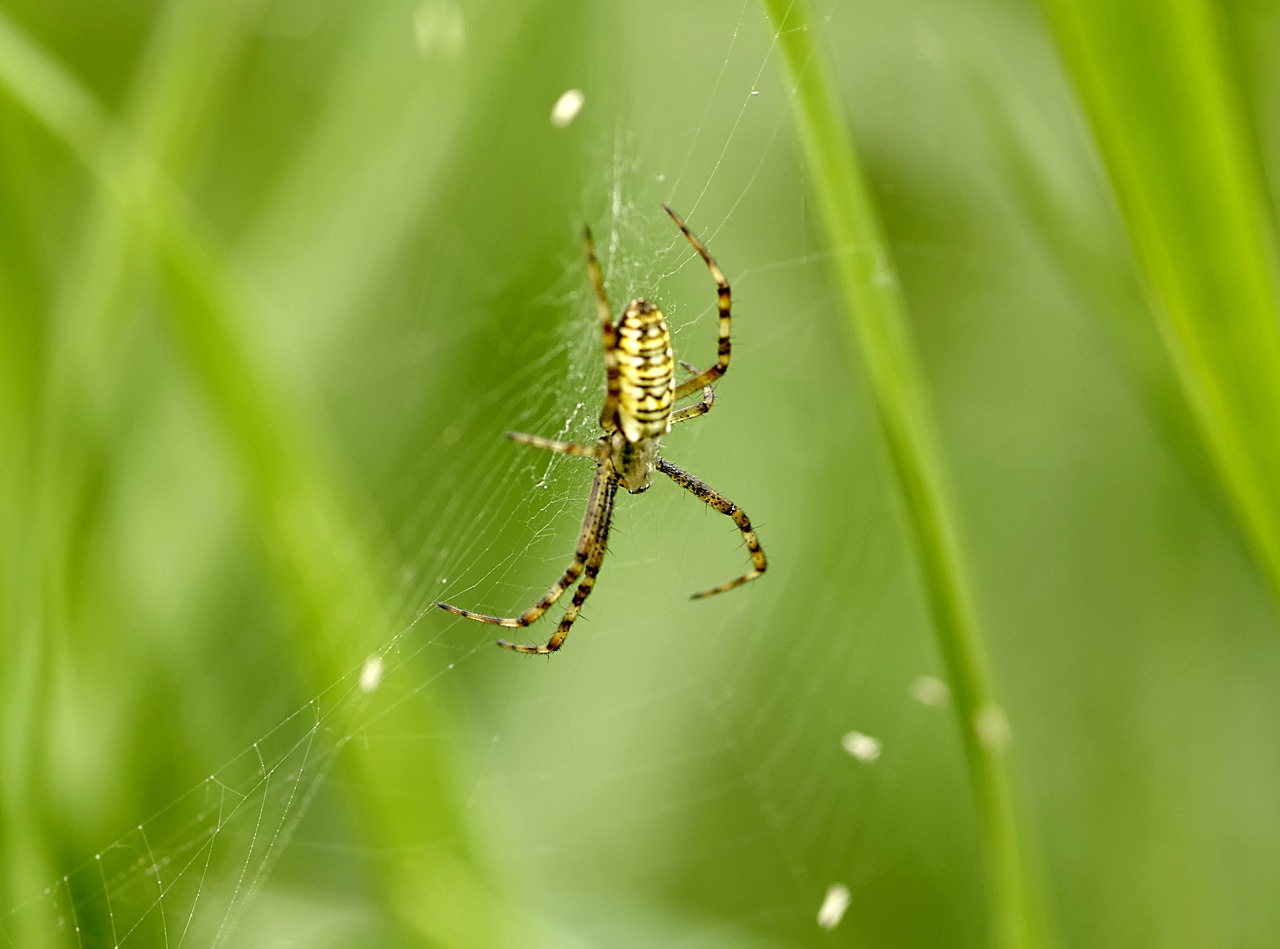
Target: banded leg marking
599	506
590	572
716	500
700	408
608	333
724	302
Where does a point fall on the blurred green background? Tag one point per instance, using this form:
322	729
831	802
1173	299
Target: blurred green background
275	277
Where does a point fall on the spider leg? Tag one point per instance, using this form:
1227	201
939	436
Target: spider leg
608	333
700	408
722	504
724	302
601	502
564	448
589	574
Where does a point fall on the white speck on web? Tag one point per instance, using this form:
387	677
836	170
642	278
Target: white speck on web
567	108
371	674
930	691
860	746
833	906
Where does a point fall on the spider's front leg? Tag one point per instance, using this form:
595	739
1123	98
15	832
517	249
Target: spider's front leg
724	303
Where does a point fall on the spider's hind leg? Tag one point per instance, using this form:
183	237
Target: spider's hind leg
590	572
588	555
591	569
715	499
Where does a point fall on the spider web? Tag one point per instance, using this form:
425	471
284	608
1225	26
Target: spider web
692	773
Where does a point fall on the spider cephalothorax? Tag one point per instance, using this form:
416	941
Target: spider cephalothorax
639	408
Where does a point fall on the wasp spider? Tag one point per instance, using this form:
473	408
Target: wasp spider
639	408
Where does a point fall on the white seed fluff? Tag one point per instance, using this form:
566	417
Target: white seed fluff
930	691
439	29
371	674
567	108
833	906
860	746
993	730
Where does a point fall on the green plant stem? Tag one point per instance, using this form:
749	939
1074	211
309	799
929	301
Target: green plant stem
878	335
1170	124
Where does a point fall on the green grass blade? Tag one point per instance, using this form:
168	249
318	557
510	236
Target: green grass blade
34	617
877	334
1170	123
309	526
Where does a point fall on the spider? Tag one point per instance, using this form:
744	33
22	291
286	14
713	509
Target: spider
639	408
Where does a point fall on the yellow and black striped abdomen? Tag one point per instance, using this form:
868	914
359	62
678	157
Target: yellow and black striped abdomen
646	372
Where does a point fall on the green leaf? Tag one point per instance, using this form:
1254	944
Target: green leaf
1169	120
878	336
